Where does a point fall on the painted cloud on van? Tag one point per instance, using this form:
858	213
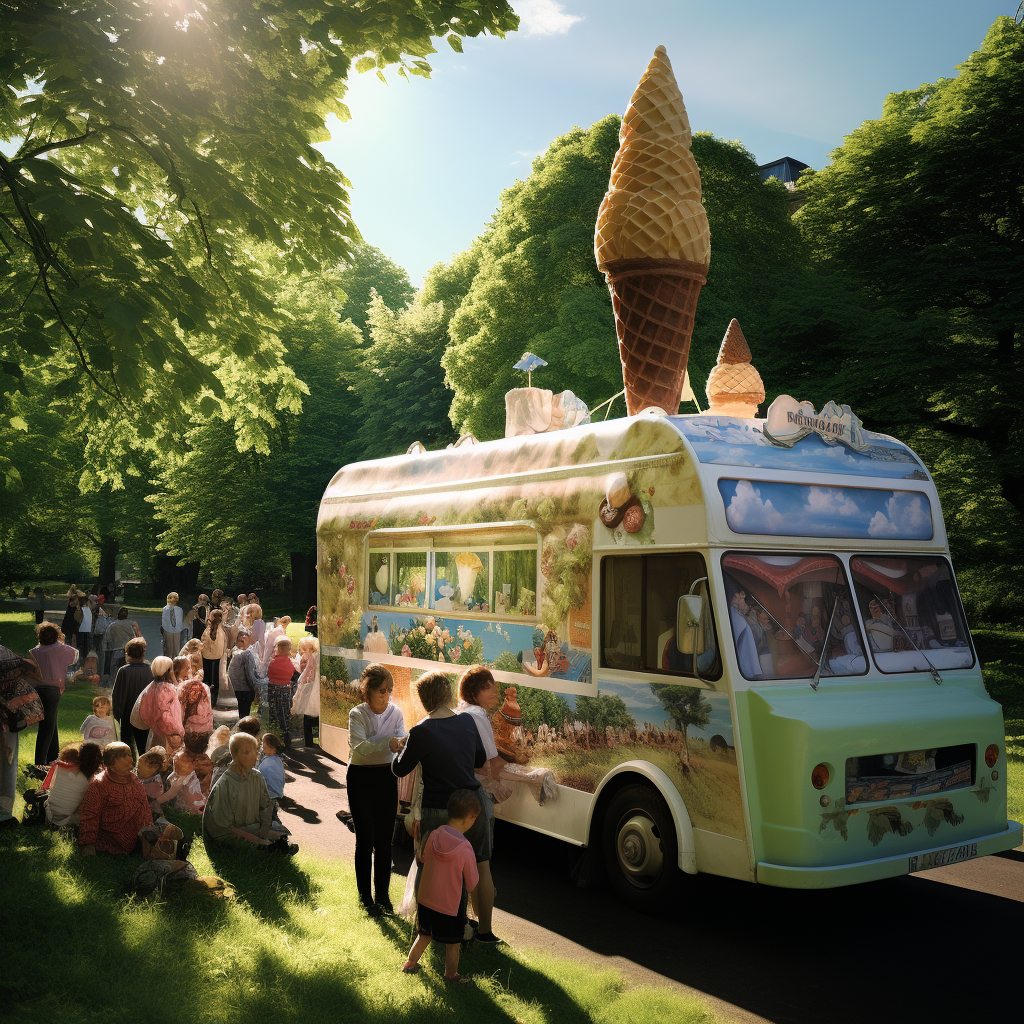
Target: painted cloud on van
801	510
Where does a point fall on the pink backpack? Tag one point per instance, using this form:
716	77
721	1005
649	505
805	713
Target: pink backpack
160	709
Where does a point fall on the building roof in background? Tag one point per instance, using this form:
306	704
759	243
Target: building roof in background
786	169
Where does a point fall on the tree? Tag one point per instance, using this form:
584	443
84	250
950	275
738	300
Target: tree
150	146
604	710
367	271
538	706
921	210
250	510
534	284
686	706
400	383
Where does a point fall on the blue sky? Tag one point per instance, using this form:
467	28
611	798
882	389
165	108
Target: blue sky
428	159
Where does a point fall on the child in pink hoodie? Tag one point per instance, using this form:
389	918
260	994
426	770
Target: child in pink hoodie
449	873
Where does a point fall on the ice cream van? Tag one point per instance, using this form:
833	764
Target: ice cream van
722	643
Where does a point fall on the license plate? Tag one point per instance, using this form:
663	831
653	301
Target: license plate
940	858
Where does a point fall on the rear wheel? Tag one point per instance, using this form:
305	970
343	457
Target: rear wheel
640	849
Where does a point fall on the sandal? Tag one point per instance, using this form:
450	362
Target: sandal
410	968
456	979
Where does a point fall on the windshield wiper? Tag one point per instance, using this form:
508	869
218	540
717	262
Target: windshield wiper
824	647
772	617
931	668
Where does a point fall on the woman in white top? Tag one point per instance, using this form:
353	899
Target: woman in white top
376	732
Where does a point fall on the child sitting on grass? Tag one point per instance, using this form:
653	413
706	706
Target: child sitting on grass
449	873
99	726
271	767
279	674
67	781
151	773
239	806
115	806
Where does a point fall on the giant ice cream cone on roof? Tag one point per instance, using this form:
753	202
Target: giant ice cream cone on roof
652	241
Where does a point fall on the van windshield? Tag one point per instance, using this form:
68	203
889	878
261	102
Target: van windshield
911	602
785	610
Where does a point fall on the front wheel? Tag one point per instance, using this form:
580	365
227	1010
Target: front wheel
640	849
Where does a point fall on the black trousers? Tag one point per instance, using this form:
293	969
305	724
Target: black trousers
211	676
373	801
135	738
308	721
245	699
47	742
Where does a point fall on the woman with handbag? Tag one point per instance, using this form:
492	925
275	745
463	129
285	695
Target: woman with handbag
54	658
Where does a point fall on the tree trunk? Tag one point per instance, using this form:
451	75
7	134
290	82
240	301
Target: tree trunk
303	580
109	547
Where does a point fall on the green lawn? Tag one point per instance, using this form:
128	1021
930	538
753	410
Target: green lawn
291	945
18	631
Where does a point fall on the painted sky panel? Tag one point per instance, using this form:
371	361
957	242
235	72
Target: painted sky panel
800	510
726	441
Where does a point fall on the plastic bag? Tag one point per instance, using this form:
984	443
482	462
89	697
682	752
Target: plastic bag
407	908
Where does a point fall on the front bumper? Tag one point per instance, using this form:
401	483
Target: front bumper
883	867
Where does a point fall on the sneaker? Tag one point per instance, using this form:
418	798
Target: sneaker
488	938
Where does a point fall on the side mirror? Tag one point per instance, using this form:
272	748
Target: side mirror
689	609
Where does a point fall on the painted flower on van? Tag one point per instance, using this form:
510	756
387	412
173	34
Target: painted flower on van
428	639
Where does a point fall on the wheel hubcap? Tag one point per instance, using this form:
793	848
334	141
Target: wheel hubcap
639	851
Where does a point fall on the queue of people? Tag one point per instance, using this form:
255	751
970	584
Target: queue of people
151	745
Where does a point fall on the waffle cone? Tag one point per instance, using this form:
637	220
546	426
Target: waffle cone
647	162
655	301
735	380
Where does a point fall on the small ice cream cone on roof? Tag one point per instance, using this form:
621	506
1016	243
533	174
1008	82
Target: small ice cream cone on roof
734	386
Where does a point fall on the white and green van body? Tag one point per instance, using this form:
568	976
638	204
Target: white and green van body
719	647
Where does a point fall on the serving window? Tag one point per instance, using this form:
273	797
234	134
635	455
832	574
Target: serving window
471	572
790	613
912	613
639	598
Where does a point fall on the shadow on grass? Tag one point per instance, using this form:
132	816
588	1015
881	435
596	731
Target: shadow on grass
270	953
262	879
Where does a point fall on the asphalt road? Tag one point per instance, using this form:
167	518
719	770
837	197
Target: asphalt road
939	946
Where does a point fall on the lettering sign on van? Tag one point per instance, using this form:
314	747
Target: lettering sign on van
789	421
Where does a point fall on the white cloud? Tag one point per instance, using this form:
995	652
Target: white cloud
543	18
747	513
882	526
908	517
824	501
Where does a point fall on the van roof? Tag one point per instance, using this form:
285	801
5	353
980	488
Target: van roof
709	440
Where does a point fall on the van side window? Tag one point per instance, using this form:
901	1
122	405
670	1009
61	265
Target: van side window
639	598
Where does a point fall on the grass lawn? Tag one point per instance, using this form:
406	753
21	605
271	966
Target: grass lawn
291	945
18	631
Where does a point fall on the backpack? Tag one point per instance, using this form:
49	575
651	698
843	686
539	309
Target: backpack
19	702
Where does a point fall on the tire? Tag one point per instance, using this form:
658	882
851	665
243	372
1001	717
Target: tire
640	849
